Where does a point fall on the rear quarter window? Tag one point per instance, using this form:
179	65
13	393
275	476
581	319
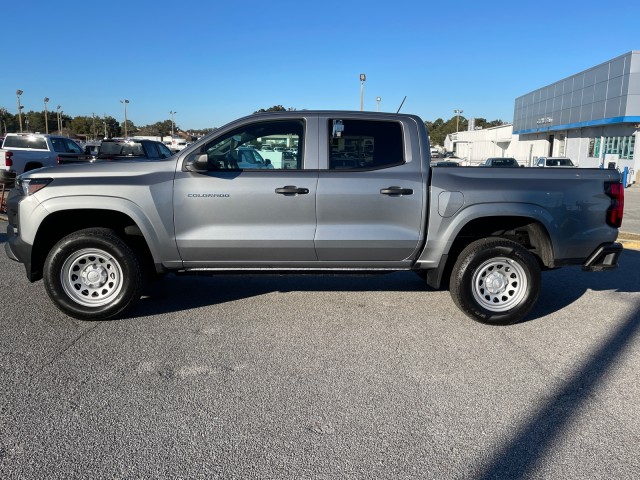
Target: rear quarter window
35	143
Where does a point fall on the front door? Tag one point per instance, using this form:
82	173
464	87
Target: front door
248	210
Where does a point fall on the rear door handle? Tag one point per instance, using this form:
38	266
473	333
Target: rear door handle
290	190
396	191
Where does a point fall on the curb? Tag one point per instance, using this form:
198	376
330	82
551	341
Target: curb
630	241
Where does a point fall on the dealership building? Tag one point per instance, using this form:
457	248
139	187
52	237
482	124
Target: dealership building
592	117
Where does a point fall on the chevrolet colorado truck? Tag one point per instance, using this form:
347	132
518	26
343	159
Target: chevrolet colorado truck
96	233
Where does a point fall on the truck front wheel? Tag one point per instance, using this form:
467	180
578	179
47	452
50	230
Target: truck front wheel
92	274
495	281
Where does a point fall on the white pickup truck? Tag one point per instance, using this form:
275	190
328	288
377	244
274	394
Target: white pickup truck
22	152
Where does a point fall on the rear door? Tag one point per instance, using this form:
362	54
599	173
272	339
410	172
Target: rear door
371	193
255	217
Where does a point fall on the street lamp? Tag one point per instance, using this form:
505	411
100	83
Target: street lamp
124	102
18	93
172	122
46	123
59	119
457	112
363	77
378	101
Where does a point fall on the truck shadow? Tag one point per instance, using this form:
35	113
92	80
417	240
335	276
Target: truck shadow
560	288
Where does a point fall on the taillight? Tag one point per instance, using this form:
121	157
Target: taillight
7	159
615	191
58	160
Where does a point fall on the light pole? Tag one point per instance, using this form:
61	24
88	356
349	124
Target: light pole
18	93
124	102
378	101
46	123
172	122
59	119
363	77
457	112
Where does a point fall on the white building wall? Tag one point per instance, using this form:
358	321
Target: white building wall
477	145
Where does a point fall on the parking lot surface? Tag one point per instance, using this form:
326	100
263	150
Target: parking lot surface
322	377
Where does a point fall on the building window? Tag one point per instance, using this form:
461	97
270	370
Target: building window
594	148
622	146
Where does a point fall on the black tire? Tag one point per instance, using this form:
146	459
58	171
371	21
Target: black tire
93	274
495	281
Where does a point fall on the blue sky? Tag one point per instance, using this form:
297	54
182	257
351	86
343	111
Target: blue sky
211	62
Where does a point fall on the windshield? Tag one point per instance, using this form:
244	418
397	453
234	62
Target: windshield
559	162
121	148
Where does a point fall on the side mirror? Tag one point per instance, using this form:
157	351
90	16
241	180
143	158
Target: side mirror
196	162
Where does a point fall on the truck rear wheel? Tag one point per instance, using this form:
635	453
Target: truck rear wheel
93	274
495	281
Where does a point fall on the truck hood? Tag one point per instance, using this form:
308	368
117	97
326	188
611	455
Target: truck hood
120	168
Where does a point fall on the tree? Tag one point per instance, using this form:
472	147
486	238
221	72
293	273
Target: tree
158	129
85	126
439	129
275	108
110	126
8	122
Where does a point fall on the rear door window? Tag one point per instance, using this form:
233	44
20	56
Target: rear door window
365	144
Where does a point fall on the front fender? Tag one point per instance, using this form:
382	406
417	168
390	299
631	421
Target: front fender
156	226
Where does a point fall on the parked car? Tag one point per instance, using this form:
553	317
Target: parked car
95	233
445	163
132	149
91	147
454	158
176	144
22	152
500	162
562	162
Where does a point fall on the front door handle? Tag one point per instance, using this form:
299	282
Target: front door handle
396	191
290	190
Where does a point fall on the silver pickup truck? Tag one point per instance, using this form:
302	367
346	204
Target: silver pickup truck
358	195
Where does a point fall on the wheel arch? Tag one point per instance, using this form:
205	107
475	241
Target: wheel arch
32	166
59	224
529	232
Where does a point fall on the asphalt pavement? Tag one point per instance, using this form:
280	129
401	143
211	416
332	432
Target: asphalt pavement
323	377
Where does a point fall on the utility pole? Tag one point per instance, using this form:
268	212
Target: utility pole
363	77
18	93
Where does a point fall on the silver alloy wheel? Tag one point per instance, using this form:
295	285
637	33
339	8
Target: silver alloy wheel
91	277
499	284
